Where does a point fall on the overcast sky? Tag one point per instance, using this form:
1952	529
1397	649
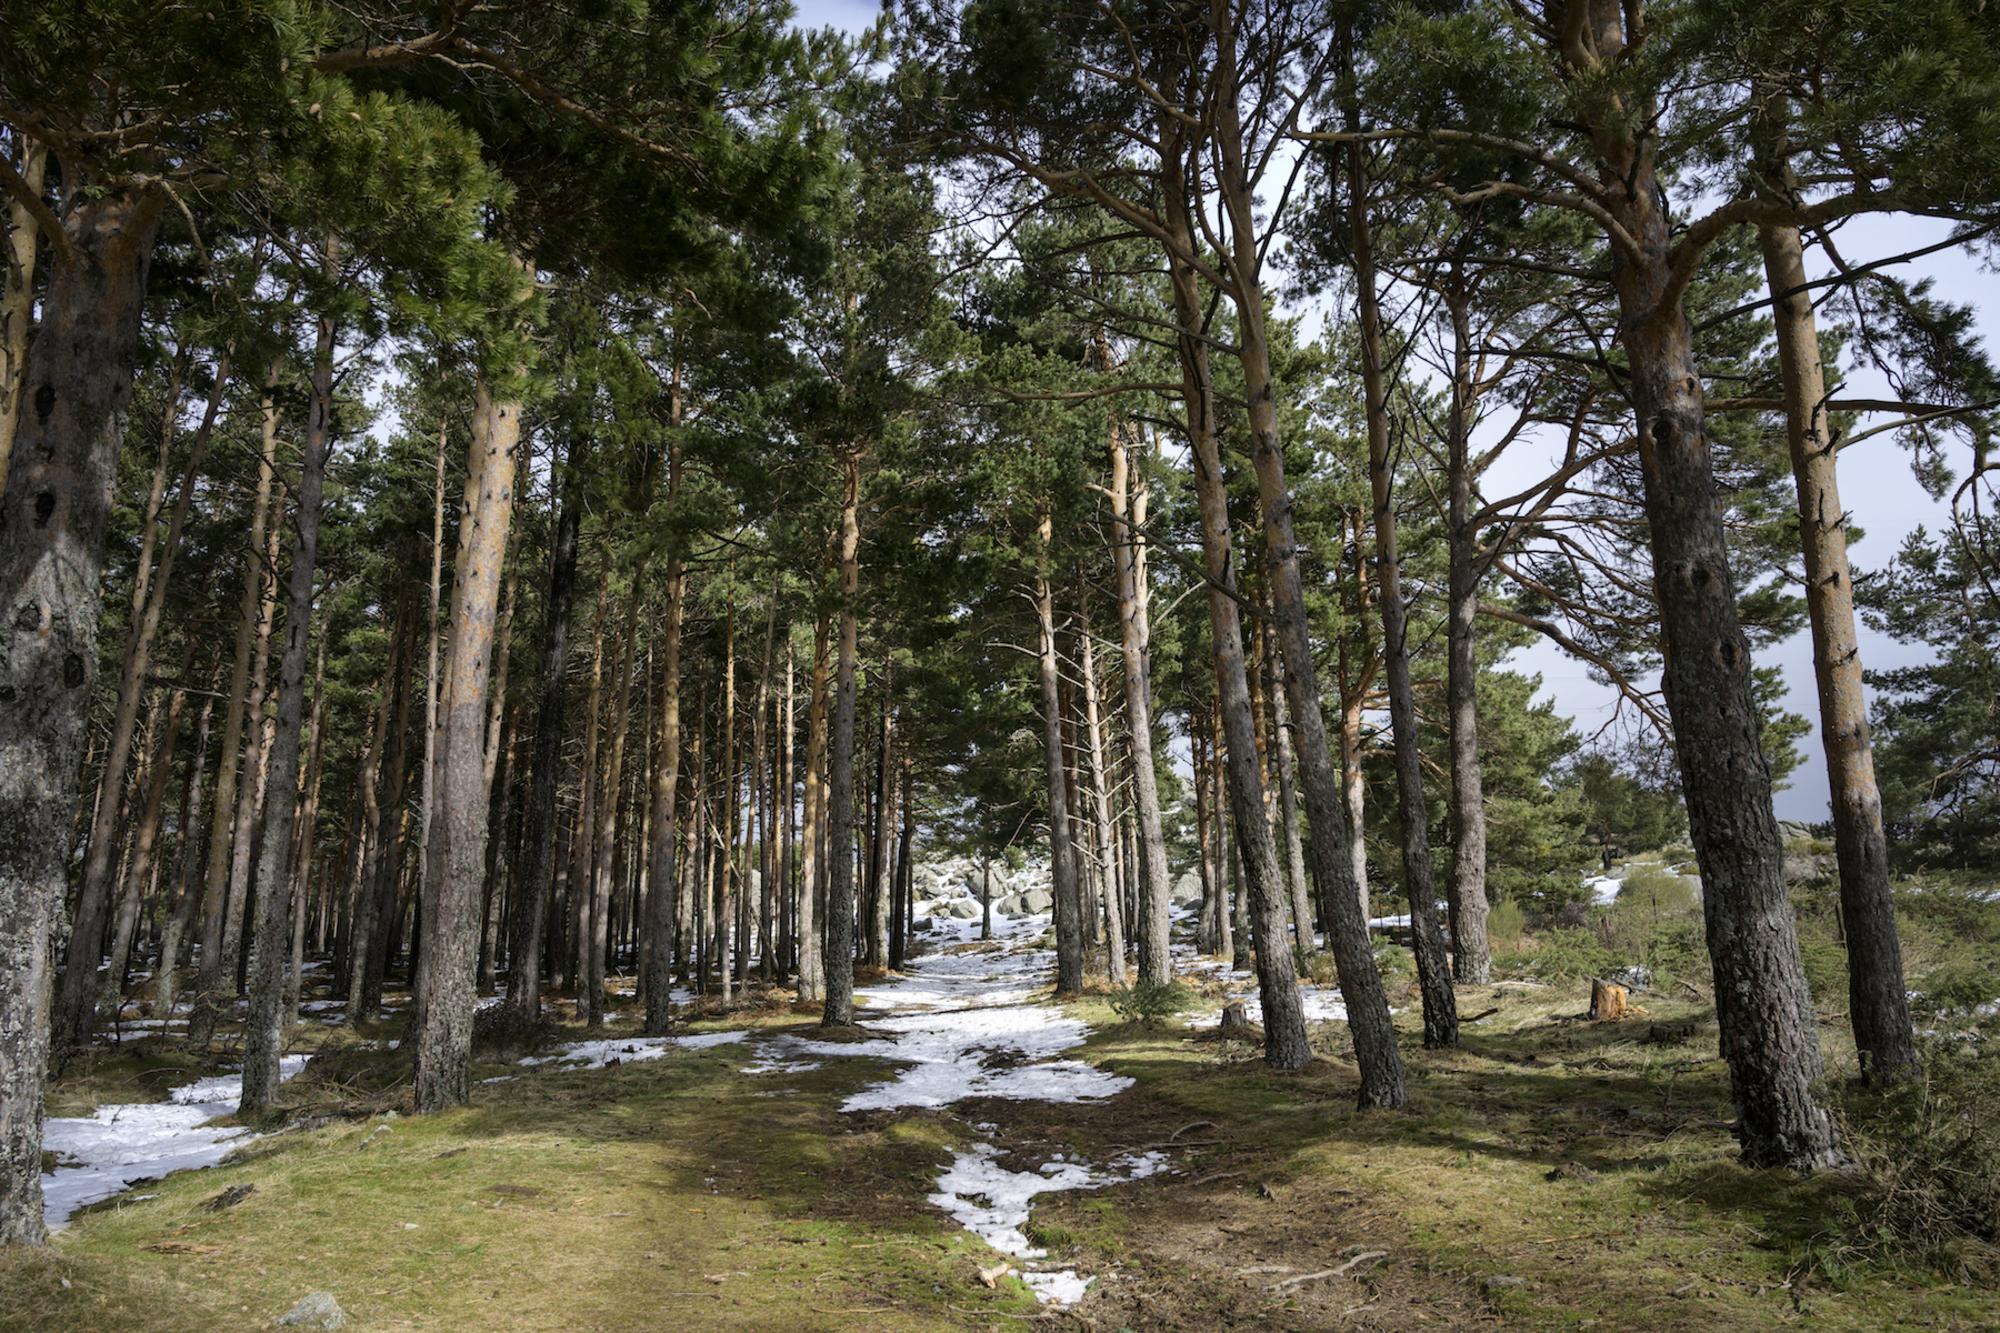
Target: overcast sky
1876	483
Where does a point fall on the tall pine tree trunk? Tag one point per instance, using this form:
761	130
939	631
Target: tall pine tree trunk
524	943
1134	635
270	949
458	857
1277	979
52	529
839	953
663	897
609	817
1433	967
180	908
880	888
1770	1037
1878	1003
812	865
1100	794
211	1002
1062	846
1471	955
236	719
145	846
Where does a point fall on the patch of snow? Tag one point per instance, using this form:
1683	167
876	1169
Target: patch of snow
993	1203
1604	889
578	1055
102	1154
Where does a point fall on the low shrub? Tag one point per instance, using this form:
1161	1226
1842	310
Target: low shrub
1146	1002
1572	954
1929	1152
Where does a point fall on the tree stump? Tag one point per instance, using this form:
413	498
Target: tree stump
1607	1001
1236	1022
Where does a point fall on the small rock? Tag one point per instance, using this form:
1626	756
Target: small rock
318	1310
230	1197
1493	1284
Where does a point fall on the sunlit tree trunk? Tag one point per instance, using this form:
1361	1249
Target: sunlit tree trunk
1277	981
236	718
457	862
17	294
1100	792
812	958
1878	1001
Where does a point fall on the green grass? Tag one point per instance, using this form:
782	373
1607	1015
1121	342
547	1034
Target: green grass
1552	1172
668	1191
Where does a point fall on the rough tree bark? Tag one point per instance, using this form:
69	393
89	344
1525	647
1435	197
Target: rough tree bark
1277	978
52	526
1062	847
839	956
270	946
1770	1037
17	296
458	849
1433	968
1471	955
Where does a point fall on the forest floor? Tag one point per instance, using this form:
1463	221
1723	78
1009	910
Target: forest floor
1551	1173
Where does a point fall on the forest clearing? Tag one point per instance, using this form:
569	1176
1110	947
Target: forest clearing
1120	664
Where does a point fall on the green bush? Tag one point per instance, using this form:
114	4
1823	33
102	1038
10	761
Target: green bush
1572	954
1929	1150
1958	986
1657	889
1146	1003
1505	925
1318	968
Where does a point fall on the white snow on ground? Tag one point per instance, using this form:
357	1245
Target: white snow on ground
1604	888
993	1203
1322	1005
103	1154
963	1026
578	1055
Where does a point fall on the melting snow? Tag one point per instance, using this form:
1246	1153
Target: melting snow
962	1025
628	1050
104	1154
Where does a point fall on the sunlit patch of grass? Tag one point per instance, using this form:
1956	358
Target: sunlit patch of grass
674	1191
